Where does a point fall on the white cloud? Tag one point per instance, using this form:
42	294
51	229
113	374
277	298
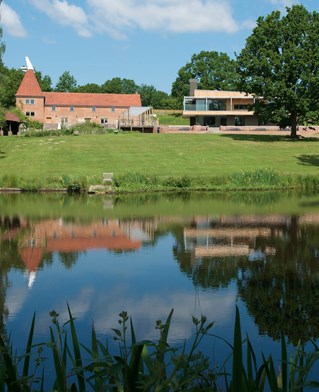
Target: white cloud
64	13
11	21
283	3
179	16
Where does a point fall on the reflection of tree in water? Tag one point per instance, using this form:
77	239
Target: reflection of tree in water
281	290
8	259
69	259
206	271
283	293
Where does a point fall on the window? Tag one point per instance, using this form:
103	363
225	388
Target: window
241	107
71	108
239	121
87	120
189	104
104	121
29	101
112	109
93	108
216	104
30	114
64	120
53	108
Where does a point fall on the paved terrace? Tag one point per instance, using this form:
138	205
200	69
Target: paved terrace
262	130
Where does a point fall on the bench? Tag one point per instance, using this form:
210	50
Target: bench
107	178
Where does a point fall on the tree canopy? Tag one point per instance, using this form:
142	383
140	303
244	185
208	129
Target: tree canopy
2	46
119	86
10	81
213	70
66	83
157	99
280	63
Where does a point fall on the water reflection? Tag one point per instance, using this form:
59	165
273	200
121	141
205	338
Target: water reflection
274	260
192	262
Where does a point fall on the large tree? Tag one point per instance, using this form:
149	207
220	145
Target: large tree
119	86
66	83
90	88
280	63
157	99
10	80
45	81
213	70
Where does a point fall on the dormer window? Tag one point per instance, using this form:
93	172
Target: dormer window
29	101
71	108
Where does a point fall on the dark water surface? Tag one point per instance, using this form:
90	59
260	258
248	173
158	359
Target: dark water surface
198	254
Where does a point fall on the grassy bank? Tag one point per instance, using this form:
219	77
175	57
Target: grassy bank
144	365
159	161
171	118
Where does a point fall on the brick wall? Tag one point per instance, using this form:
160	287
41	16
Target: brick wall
81	114
32	107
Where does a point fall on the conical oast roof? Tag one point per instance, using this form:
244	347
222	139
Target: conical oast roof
29	86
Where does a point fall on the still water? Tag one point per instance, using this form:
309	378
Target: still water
196	254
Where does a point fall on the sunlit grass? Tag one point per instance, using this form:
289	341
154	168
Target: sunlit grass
155	154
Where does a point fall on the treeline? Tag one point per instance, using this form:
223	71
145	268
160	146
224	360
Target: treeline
213	70
10	80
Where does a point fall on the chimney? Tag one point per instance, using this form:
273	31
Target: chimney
192	86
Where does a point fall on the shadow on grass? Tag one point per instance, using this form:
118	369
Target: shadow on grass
269	138
2	154
308	160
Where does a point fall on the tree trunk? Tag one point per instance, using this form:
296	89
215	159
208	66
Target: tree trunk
293	133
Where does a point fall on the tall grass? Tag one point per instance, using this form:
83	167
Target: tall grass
260	179
143	365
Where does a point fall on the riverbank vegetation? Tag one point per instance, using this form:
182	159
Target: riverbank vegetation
144	365
159	162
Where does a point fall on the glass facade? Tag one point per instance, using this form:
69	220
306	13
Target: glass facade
204	104
216	104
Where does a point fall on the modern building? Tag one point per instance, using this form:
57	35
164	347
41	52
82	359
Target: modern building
57	109
216	108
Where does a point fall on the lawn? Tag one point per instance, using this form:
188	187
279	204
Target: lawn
172	119
161	154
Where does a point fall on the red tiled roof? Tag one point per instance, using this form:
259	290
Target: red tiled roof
87	99
29	86
12	117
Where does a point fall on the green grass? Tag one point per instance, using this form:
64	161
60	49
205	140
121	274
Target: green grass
172	119
152	154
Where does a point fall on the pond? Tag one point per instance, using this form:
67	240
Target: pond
148	254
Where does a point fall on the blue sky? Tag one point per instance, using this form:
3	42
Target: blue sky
144	40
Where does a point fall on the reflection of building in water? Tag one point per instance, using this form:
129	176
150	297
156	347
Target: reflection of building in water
140	229
228	236
59	236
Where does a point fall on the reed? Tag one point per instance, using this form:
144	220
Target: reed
143	365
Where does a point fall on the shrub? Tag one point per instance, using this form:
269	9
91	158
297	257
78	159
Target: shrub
74	184
89	128
32	185
183	182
